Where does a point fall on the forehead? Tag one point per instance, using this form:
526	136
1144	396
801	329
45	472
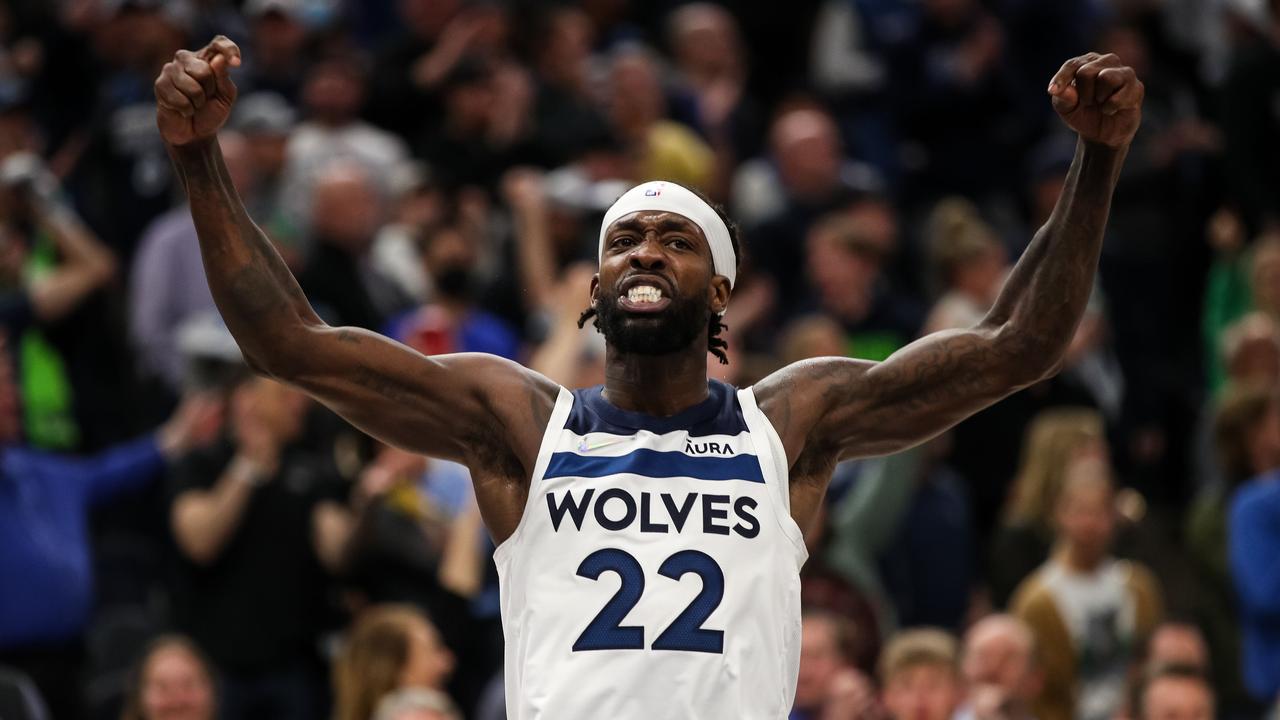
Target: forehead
659	220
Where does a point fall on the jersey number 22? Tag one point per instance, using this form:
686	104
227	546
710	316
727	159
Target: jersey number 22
606	631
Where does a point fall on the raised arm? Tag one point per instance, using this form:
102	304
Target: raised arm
833	408
477	409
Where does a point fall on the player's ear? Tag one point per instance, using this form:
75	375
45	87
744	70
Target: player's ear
595	289
720	293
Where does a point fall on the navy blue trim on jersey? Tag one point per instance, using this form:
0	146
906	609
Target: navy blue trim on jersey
718	414
656	464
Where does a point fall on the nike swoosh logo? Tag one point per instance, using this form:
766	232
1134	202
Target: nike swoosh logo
584	446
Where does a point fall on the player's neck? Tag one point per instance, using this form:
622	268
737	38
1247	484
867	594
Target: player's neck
660	385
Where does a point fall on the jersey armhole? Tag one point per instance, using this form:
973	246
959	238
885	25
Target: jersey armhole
550	438
773	461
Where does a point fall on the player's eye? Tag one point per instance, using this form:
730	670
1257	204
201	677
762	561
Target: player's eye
624	241
680	243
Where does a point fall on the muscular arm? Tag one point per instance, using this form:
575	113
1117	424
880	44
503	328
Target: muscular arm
477	409
833	408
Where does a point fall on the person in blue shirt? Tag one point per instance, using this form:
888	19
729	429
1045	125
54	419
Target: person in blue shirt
1254	542
46	579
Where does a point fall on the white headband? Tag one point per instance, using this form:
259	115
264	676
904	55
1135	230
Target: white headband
670	197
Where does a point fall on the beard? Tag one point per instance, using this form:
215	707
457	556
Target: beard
663	333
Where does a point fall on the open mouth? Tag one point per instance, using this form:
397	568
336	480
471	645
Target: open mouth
643	297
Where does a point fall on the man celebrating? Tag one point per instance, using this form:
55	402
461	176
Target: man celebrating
605	501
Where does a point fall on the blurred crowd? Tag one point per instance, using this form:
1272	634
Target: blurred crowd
180	539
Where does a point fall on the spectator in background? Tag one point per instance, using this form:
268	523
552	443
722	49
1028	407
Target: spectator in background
50	264
846	255
390	648
968	264
333	132
1090	613
711	63
172	681
637	109
484	128
277	60
418	205
257	526
1246	439
778	198
167	286
123	178
1173	692
848	65
565	108
339	278
46	577
410	68
452	322
830	685
1001	672
1253	528
266	120
1055	439
920	676
1178	643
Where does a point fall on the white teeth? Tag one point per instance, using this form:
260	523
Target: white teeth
644	294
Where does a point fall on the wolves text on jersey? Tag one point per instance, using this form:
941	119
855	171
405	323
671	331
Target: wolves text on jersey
616	509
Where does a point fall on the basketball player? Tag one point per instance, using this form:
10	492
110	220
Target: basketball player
650	530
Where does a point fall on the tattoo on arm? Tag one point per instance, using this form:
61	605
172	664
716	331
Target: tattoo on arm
933	383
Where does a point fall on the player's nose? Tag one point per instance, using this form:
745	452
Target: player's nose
648	255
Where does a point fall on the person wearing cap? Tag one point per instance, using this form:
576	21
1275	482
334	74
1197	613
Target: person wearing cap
649	530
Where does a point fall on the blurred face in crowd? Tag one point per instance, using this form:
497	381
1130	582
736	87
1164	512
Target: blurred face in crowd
923	691
1177	698
265	408
1178	644
1254	354
267	153
999	666
705	39
278	39
636	100
429	663
176	686
806	150
1086	510
844	266
346	208
820	661
334	92
567	48
450	261
470	104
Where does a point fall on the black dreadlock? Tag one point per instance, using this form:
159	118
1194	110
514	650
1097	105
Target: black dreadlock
716	345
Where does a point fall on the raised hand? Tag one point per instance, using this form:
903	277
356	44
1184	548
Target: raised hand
1098	97
194	92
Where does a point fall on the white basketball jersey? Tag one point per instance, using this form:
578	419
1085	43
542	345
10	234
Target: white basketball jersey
655	572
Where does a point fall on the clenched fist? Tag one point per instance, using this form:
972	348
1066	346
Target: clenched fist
194	92
1099	98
